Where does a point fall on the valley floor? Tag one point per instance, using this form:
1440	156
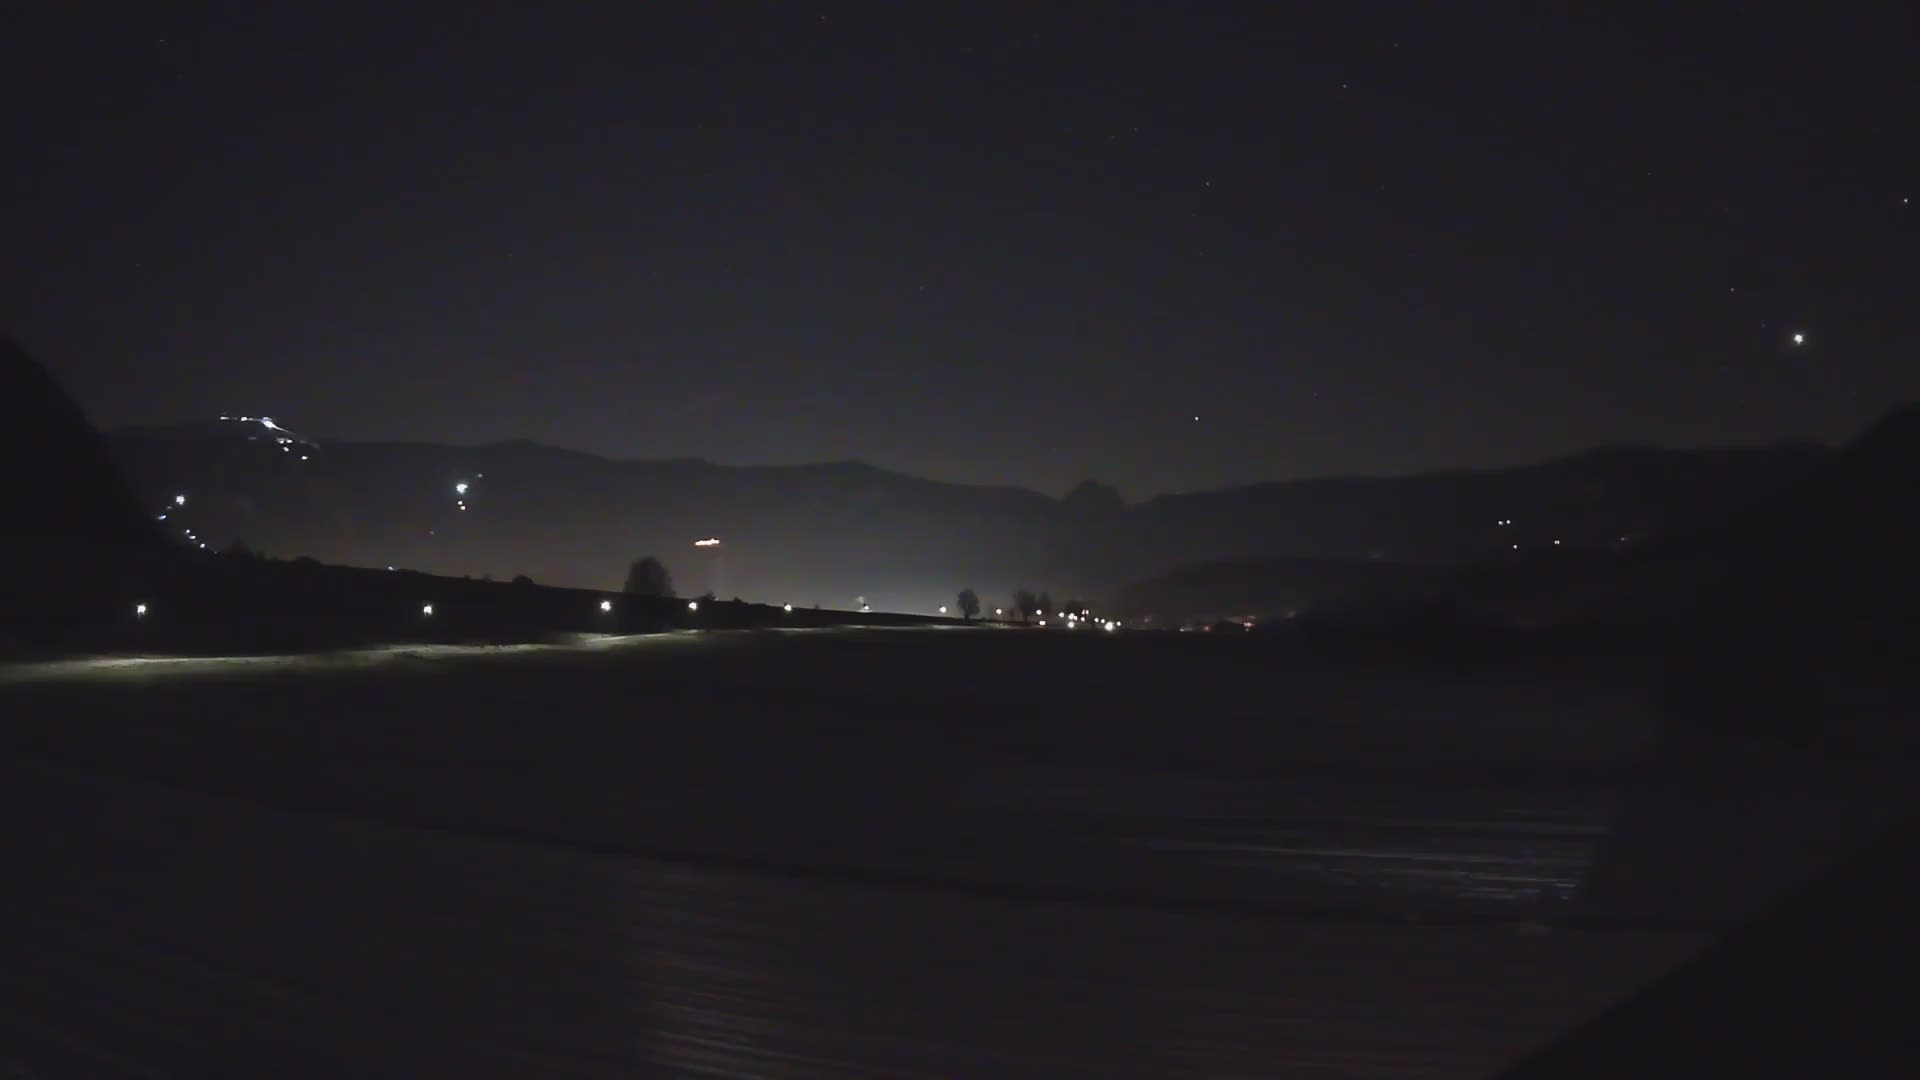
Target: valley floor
889	853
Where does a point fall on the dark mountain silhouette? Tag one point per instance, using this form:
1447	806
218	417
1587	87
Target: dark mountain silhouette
831	532
61	483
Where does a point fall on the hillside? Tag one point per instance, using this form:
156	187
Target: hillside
829	533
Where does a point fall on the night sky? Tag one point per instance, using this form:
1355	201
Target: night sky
978	243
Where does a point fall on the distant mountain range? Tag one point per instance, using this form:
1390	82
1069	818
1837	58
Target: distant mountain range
835	532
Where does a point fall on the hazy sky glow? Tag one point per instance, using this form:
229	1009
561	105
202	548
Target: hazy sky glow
978	242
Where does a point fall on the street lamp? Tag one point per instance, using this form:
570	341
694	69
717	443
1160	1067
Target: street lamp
606	605
693	605
426	610
139	611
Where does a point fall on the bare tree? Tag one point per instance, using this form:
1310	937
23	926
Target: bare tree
969	604
648	577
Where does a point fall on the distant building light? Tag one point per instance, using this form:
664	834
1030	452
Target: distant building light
999	611
179	500
943	609
460	488
139	611
163	517
788	608
1516	547
389	567
1043	622
693	605
708	542
1556	543
606	605
427	610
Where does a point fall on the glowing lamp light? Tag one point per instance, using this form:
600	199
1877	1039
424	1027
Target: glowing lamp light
606	605
179	500
693	605
426	610
788	608
998	611
139	611
1799	339
460	488
1043	622
943	609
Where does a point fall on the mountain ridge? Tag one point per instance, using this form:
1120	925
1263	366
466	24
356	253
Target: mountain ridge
834	532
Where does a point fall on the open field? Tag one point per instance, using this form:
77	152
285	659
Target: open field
909	852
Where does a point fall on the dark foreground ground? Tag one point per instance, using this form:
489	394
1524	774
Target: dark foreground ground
831	853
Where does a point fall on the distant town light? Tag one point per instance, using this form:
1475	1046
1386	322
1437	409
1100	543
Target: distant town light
788	608
1799	339
606	605
693	605
1043	622
139	611
1556	543
999	611
389	567
1516	547
866	607
179	500
710	541
427	610
460	488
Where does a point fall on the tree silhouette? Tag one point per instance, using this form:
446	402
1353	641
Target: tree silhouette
648	577
1025	604
969	604
522	579
1046	604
